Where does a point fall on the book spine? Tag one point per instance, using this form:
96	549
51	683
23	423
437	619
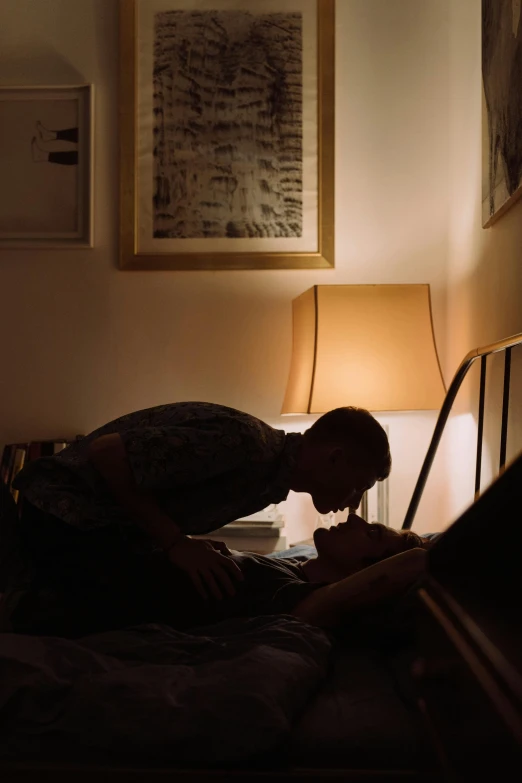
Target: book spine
48	448
35	450
10	467
59	446
19	461
240	524
250	532
16	455
6	462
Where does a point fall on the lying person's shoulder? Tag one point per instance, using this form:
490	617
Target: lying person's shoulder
251	562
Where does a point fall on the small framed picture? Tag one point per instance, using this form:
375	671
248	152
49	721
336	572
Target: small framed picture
46	166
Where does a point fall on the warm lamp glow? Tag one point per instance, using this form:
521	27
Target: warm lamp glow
366	345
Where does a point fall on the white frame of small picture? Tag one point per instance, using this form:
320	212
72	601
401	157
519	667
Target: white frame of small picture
46	138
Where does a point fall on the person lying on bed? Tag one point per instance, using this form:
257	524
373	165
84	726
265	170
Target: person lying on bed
358	566
152	478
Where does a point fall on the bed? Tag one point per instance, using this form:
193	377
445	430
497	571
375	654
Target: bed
393	699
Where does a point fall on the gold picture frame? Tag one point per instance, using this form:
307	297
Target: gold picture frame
145	243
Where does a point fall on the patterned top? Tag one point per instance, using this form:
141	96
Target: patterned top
206	465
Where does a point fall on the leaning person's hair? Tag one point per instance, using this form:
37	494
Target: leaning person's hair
361	432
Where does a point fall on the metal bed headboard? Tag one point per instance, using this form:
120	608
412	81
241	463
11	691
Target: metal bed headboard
480	353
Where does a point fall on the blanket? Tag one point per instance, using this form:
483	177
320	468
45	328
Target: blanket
220	695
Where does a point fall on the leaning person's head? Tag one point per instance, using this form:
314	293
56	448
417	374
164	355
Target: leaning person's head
349	547
344	453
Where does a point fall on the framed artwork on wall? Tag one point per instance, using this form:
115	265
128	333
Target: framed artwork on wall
227	134
46	165
502	117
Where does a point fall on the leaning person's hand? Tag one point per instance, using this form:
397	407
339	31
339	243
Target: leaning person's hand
220	546
210	571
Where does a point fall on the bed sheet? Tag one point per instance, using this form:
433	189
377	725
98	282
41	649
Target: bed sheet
217	696
358	718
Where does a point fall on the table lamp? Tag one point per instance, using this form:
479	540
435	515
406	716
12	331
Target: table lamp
371	346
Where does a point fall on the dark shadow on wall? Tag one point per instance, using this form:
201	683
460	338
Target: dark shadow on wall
37	65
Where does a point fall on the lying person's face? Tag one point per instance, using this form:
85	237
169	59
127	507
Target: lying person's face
355	544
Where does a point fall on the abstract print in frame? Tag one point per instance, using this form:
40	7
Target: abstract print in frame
502	121
227	134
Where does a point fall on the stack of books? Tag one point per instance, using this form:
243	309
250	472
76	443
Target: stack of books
16	455
261	533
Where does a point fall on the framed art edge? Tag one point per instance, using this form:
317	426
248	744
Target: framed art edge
506	206
87	238
126	119
214	262
128	257
88	234
326	125
89	228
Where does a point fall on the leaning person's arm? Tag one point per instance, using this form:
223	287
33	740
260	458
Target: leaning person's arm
108	456
211	571
329	606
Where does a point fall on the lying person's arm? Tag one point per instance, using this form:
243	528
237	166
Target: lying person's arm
330	605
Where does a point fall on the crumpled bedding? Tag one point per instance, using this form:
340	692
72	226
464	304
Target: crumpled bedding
221	695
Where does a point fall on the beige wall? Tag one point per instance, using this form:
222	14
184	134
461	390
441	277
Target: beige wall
84	342
484	268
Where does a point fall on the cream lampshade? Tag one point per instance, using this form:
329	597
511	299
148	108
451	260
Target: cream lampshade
371	346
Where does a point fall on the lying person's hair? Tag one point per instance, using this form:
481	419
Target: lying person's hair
410	540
